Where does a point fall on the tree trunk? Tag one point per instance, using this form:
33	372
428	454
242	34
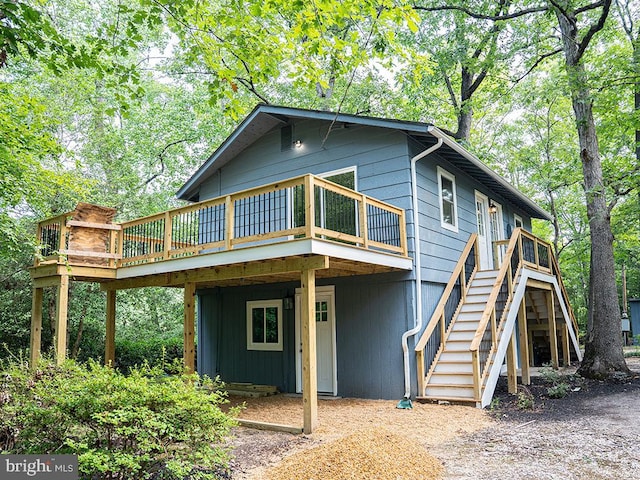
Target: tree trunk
465	112
603	344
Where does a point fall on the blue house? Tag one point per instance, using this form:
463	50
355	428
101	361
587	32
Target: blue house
344	255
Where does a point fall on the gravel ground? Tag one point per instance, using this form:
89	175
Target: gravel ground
593	433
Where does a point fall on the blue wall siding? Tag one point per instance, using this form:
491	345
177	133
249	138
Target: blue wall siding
372	312
381	157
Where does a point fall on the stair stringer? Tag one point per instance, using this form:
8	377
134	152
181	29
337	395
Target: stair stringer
507	331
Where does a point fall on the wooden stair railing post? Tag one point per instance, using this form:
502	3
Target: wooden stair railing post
566	352
421	373
402	219
477	385
512	375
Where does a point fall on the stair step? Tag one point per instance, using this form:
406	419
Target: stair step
448	391
461	366
464	400
460	356
476	298
486	274
463	325
462	335
447	378
477	307
480	289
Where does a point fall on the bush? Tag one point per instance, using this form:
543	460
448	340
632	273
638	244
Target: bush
559	387
154	351
142	425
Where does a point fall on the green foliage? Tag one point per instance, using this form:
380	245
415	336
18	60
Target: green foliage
559	387
137	426
525	398
156	351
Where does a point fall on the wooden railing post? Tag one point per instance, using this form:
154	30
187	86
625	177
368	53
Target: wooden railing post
535	253
477	387
403	233
62	242
168	234
363	221
309	207
421	373
228	222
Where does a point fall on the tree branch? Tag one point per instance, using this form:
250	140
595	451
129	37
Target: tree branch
481	16
540	59
595	28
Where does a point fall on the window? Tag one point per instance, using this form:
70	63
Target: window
517	219
448	203
264	325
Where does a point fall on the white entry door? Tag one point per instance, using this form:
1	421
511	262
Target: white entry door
484	233
325	341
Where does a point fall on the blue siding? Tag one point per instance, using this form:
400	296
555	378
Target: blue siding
372	312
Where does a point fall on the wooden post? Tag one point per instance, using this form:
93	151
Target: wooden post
228	222
553	338
524	343
512	374
421	373
62	304
477	387
189	326
110	332
362	221
36	326
309	374
309	207
566	352
168	235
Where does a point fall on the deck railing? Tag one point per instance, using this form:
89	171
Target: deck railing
522	250
434	336
276	212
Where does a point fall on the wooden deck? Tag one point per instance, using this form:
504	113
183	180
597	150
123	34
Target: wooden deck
294	230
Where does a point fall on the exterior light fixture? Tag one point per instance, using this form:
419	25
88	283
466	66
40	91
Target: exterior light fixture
492	207
297	143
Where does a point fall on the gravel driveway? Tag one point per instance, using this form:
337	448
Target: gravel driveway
592	433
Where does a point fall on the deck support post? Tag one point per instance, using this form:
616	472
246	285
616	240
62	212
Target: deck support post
62	307
110	331
566	352
512	373
524	343
553	335
189	326
36	327
309	373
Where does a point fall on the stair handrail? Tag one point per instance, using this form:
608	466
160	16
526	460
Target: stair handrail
438	316
489	314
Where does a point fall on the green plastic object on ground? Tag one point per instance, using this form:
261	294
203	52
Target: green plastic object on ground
405	403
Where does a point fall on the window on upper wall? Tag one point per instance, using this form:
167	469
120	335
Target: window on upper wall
517	220
264	325
448	202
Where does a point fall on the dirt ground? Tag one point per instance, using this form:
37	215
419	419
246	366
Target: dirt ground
592	433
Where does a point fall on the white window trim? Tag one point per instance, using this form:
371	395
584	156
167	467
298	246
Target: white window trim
340	171
251	345
517	218
442	173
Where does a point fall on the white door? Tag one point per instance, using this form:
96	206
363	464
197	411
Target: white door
496	230
325	341
484	233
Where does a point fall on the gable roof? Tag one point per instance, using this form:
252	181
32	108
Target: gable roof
264	118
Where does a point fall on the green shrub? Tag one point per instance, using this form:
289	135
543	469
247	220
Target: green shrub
154	351
559	387
525	398
142	425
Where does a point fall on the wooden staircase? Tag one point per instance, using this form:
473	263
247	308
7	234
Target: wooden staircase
451	375
472	330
